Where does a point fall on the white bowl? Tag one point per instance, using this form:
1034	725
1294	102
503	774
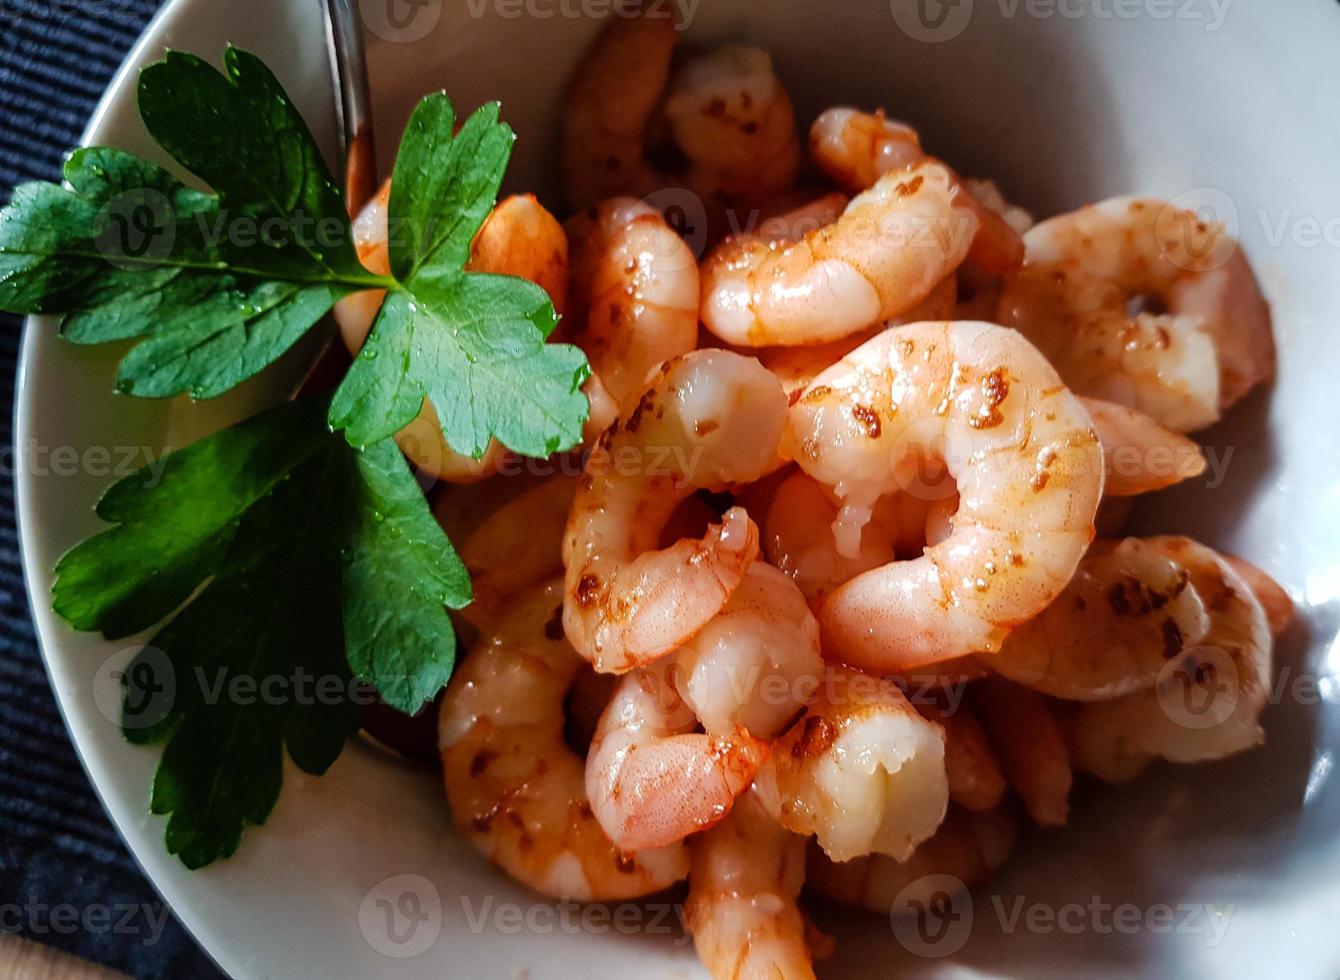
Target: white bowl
1063	103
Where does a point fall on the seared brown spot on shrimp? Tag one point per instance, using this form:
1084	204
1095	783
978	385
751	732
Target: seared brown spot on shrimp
1118	600
995	389
816	735
481	760
1226	654
868	417
1172	638
588	591
910	187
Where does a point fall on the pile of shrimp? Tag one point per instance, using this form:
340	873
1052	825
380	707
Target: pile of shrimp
822	605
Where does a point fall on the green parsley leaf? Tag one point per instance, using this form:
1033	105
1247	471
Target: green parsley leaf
472	343
220	284
399	571
288	548
174	526
256	666
296	555
217	285
444	184
239	132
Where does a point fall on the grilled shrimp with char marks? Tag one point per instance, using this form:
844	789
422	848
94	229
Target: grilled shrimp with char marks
709	419
892	246
981	401
1184	366
517	791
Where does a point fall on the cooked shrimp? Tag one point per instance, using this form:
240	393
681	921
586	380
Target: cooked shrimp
943	674
354	314
516	790
1127	612
1183	367
982	402
796	367
1208	699
725	119
634	294
791	217
1031	745
1274	600
857	148
755	664
968	847
798	534
731	119
520	543
519	238
745	876
861	770
652	780
1139	455
709	419
988	192
798	539
603	410
610	103
888	251
743	677
975	779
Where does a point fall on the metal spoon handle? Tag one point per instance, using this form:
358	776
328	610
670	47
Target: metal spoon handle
349	70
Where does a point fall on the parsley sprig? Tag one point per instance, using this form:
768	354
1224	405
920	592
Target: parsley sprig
216	285
297	541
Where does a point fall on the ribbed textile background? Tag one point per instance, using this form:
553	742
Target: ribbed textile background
57	847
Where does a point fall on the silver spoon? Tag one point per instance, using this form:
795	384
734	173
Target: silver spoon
353	105
353	109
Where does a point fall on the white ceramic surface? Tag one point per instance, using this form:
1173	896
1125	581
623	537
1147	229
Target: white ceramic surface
1063	103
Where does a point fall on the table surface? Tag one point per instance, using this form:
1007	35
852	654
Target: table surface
66	878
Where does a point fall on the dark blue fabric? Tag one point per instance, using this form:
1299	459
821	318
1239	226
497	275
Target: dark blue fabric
66	879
